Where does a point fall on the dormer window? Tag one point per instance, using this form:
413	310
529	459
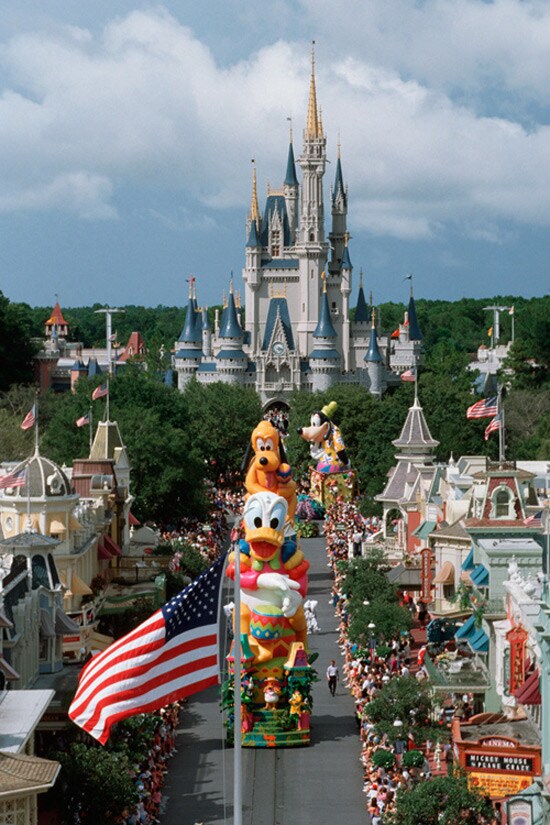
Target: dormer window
275	243
503	503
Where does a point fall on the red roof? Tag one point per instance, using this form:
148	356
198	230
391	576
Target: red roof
56	317
111	546
529	692
103	552
135	347
132	520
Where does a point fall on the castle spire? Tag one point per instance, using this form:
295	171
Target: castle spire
254	209
312	128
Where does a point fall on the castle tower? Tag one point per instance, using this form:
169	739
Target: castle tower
291	193
312	248
231	359
374	362
345	289
324	359
188	347
206	333
252	273
361	309
338	236
56	323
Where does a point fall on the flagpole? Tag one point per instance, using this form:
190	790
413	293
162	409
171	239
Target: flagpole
415	382
501	444
107	405
90	423
237	738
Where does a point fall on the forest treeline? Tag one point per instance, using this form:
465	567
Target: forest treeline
176	439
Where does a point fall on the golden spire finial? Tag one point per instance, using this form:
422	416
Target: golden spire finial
372	317
324	280
191	285
339	144
290	128
224	300
231	284
254	209
346	238
194	290
360	279
320	125
312	128
370	298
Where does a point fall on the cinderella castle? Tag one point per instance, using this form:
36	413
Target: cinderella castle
296	331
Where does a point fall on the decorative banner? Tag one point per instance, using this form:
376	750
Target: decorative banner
426	575
520	812
498	785
517	637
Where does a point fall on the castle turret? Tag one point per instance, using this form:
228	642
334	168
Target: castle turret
231	359
252	273
291	192
361	309
206	333
324	359
188	352
339	206
374	362
345	289
56	323
414	329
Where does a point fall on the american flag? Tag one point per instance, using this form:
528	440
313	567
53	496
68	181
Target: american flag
13	479
486	408
535	520
100	392
83	420
30	419
492	426
409	375
171	655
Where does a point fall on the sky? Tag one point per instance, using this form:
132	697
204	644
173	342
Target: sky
127	131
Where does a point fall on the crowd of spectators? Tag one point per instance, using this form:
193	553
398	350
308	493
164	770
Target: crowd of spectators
344	524
279	419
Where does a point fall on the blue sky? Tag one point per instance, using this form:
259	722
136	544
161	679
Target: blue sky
126	137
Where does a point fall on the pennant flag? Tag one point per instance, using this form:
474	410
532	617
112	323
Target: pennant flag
486	408
409	375
395	333
489	332
535	520
30	419
13	479
100	392
511	310
492	426
171	655
83	420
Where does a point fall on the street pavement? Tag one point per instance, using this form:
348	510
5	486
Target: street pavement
317	785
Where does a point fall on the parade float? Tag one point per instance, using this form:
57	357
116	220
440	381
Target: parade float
332	477
275	670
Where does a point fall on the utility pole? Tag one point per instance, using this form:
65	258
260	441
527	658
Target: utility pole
109	312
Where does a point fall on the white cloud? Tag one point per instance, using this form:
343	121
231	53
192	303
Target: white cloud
146	106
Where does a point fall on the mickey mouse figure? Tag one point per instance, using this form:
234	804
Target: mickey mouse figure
327	446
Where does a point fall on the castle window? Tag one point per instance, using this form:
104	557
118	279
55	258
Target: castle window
311	236
275	243
503	503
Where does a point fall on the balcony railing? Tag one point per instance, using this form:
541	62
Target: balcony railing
450	677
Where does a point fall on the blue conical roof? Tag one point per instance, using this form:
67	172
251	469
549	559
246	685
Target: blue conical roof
414	330
205	319
324	328
346	261
191	332
290	178
230	327
361	310
253	237
338	182
373	352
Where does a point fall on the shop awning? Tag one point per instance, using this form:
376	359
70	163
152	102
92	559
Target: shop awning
480	576
46	624
446	575
424	529
79	587
466	630
469	563
478	641
112	546
529	692
10	674
404	576
55	526
103	553
64	625
132	520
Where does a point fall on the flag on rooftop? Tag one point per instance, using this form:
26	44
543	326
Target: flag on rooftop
30	419
83	420
409	375
100	392
395	333
13	479
535	520
173	654
486	408
492	426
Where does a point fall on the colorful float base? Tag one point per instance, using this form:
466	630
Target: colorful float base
326	488
268	731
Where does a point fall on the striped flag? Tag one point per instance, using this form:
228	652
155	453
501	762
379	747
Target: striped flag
486	408
13	479
100	392
173	654
535	520
492	426
409	375
83	420
30	419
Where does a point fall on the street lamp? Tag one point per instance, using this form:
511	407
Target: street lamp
366	602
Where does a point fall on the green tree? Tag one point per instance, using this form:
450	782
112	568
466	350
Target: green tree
94	786
444	800
411	702
16	347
